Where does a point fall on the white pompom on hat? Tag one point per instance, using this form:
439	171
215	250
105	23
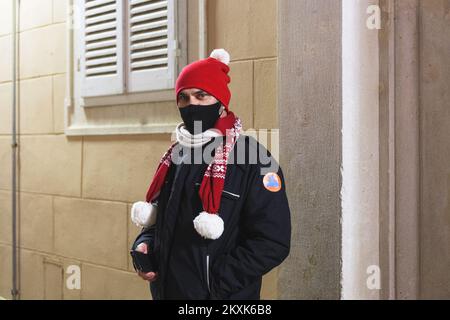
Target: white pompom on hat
222	55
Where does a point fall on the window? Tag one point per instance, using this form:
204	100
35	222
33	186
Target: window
127	46
124	53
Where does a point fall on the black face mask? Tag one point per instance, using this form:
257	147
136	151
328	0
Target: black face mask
206	114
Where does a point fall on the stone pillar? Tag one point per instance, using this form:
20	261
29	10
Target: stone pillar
310	115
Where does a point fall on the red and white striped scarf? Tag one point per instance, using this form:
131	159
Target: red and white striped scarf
214	178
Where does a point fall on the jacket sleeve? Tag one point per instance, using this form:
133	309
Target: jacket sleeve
265	237
147	235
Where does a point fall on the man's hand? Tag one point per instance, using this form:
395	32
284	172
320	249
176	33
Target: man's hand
149	276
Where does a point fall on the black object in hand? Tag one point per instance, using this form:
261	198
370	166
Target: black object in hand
142	262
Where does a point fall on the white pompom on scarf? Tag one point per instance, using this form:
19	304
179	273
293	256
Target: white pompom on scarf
222	55
209	225
143	214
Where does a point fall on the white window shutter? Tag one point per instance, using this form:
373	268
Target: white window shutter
101	60
151	45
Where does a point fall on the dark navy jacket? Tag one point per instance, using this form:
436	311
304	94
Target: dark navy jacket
256	237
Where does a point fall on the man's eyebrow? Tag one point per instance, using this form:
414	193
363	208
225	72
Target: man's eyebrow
201	91
196	92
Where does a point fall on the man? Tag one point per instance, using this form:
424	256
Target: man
221	222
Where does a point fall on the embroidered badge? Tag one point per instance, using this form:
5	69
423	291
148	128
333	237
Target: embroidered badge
272	182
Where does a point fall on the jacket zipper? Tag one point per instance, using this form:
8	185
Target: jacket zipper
232	194
207	272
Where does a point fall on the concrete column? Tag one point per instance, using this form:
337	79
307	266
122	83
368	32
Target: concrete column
434	116
310	115
388	91
361	274
407	148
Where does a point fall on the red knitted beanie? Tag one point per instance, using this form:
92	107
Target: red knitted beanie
210	75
